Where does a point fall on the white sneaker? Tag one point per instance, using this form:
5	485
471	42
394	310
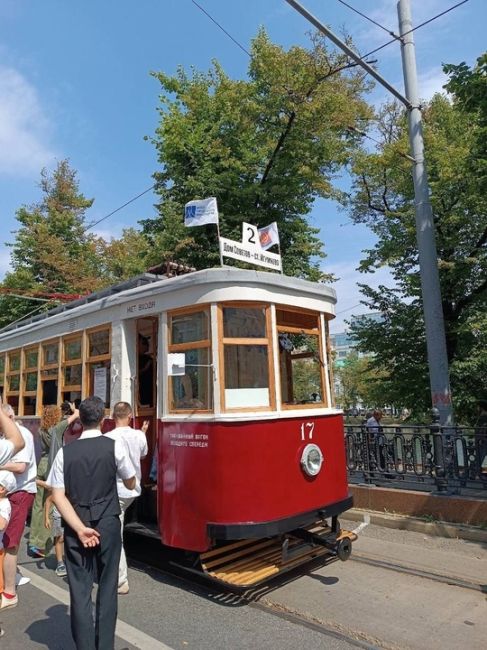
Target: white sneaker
21	580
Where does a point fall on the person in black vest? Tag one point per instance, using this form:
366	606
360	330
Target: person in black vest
84	490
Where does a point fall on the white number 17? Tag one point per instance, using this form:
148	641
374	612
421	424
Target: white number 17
307	427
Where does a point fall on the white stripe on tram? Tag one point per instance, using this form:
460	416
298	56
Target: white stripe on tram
123	631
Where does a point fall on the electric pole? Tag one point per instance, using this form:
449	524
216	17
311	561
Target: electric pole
425	231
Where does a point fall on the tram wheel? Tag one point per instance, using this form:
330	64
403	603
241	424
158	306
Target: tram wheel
344	549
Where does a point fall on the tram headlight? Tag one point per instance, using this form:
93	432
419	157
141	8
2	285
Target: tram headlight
311	460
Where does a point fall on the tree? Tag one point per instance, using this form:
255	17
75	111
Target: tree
384	200
360	383
266	147
52	251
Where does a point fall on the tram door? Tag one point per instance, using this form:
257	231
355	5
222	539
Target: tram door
145	400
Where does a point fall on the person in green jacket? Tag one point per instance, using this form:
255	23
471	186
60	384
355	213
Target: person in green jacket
39	537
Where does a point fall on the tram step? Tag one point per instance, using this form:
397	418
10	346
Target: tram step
249	562
146	529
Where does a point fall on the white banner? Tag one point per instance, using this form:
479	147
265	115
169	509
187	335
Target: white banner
201	212
253	254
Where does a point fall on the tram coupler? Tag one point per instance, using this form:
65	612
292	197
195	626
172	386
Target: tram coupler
338	542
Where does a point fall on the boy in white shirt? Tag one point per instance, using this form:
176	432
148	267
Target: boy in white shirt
136	443
24	466
7	484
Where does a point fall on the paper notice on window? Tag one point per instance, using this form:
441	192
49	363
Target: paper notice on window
100	383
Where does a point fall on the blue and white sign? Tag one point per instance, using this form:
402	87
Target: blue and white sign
201	212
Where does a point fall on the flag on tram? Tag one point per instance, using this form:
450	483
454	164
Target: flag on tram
269	236
201	212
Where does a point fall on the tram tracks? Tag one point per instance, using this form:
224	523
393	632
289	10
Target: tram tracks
262	598
454	581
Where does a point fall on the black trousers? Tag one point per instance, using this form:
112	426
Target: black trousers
84	567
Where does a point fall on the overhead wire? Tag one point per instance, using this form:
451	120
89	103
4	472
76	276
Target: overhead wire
221	27
95	223
426	22
374	22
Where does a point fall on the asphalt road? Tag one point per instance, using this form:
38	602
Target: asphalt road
339	606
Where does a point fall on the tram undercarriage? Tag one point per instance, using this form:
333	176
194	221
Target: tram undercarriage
249	563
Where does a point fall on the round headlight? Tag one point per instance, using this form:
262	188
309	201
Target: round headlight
311	459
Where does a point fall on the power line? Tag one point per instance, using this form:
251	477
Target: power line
374	22
426	22
95	223
221	27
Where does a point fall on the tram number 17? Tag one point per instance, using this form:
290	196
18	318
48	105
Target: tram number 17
307	429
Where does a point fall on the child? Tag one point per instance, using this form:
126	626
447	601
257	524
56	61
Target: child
7	484
57	533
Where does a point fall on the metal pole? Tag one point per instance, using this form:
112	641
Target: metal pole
430	282
345	48
425	230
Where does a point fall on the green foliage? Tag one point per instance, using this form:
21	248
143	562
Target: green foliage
52	252
360	382
384	200
266	147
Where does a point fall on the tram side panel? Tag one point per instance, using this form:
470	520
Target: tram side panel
224	480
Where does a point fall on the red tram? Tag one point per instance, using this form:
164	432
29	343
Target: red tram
232	368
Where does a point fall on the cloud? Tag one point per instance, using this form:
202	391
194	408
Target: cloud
24	127
431	82
348	292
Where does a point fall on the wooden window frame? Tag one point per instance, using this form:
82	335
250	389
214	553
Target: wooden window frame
2	374
49	366
316	331
88	360
27	370
13	373
190	345
264	341
78	336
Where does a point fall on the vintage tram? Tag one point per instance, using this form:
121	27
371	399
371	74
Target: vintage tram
232	367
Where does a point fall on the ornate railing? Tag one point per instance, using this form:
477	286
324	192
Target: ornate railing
417	457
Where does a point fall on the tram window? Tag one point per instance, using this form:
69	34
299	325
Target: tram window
2	373
72	375
50	353
99	343
30	405
99	364
14	361
14	383
189	332
31	358
30	384
72	350
300	362
192	390
49	392
247	322
100	381
246	376
246	357
187	328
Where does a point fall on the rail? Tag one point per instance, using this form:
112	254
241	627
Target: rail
418	457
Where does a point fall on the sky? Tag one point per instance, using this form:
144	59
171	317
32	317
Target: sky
75	83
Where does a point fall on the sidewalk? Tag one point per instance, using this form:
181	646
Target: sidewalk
450	509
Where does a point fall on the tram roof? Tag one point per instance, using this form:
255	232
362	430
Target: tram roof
165	283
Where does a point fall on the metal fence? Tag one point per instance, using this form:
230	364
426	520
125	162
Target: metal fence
417	457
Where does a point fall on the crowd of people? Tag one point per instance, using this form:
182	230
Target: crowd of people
77	493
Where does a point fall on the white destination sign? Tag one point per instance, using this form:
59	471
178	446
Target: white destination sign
249	253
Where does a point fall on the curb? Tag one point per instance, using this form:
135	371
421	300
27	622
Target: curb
436	528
